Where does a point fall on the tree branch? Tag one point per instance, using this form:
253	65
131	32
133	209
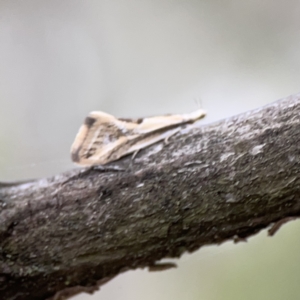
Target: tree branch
208	184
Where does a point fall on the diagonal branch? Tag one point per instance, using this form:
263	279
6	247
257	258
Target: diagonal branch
208	184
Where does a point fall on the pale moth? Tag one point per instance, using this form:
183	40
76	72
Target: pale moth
104	138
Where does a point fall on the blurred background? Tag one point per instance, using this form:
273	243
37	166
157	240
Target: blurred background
59	60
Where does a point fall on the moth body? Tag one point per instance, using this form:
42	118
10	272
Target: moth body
104	138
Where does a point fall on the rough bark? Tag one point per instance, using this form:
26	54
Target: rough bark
208	184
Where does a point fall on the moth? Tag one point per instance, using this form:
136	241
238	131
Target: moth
104	138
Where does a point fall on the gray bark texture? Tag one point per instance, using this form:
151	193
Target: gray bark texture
205	185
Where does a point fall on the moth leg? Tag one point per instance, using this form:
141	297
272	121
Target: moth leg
98	168
135	154
166	140
102	168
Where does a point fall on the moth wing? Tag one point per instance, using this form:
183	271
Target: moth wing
99	138
154	129
151	124
149	140
103	138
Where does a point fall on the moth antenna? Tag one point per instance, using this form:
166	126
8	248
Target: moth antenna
198	102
